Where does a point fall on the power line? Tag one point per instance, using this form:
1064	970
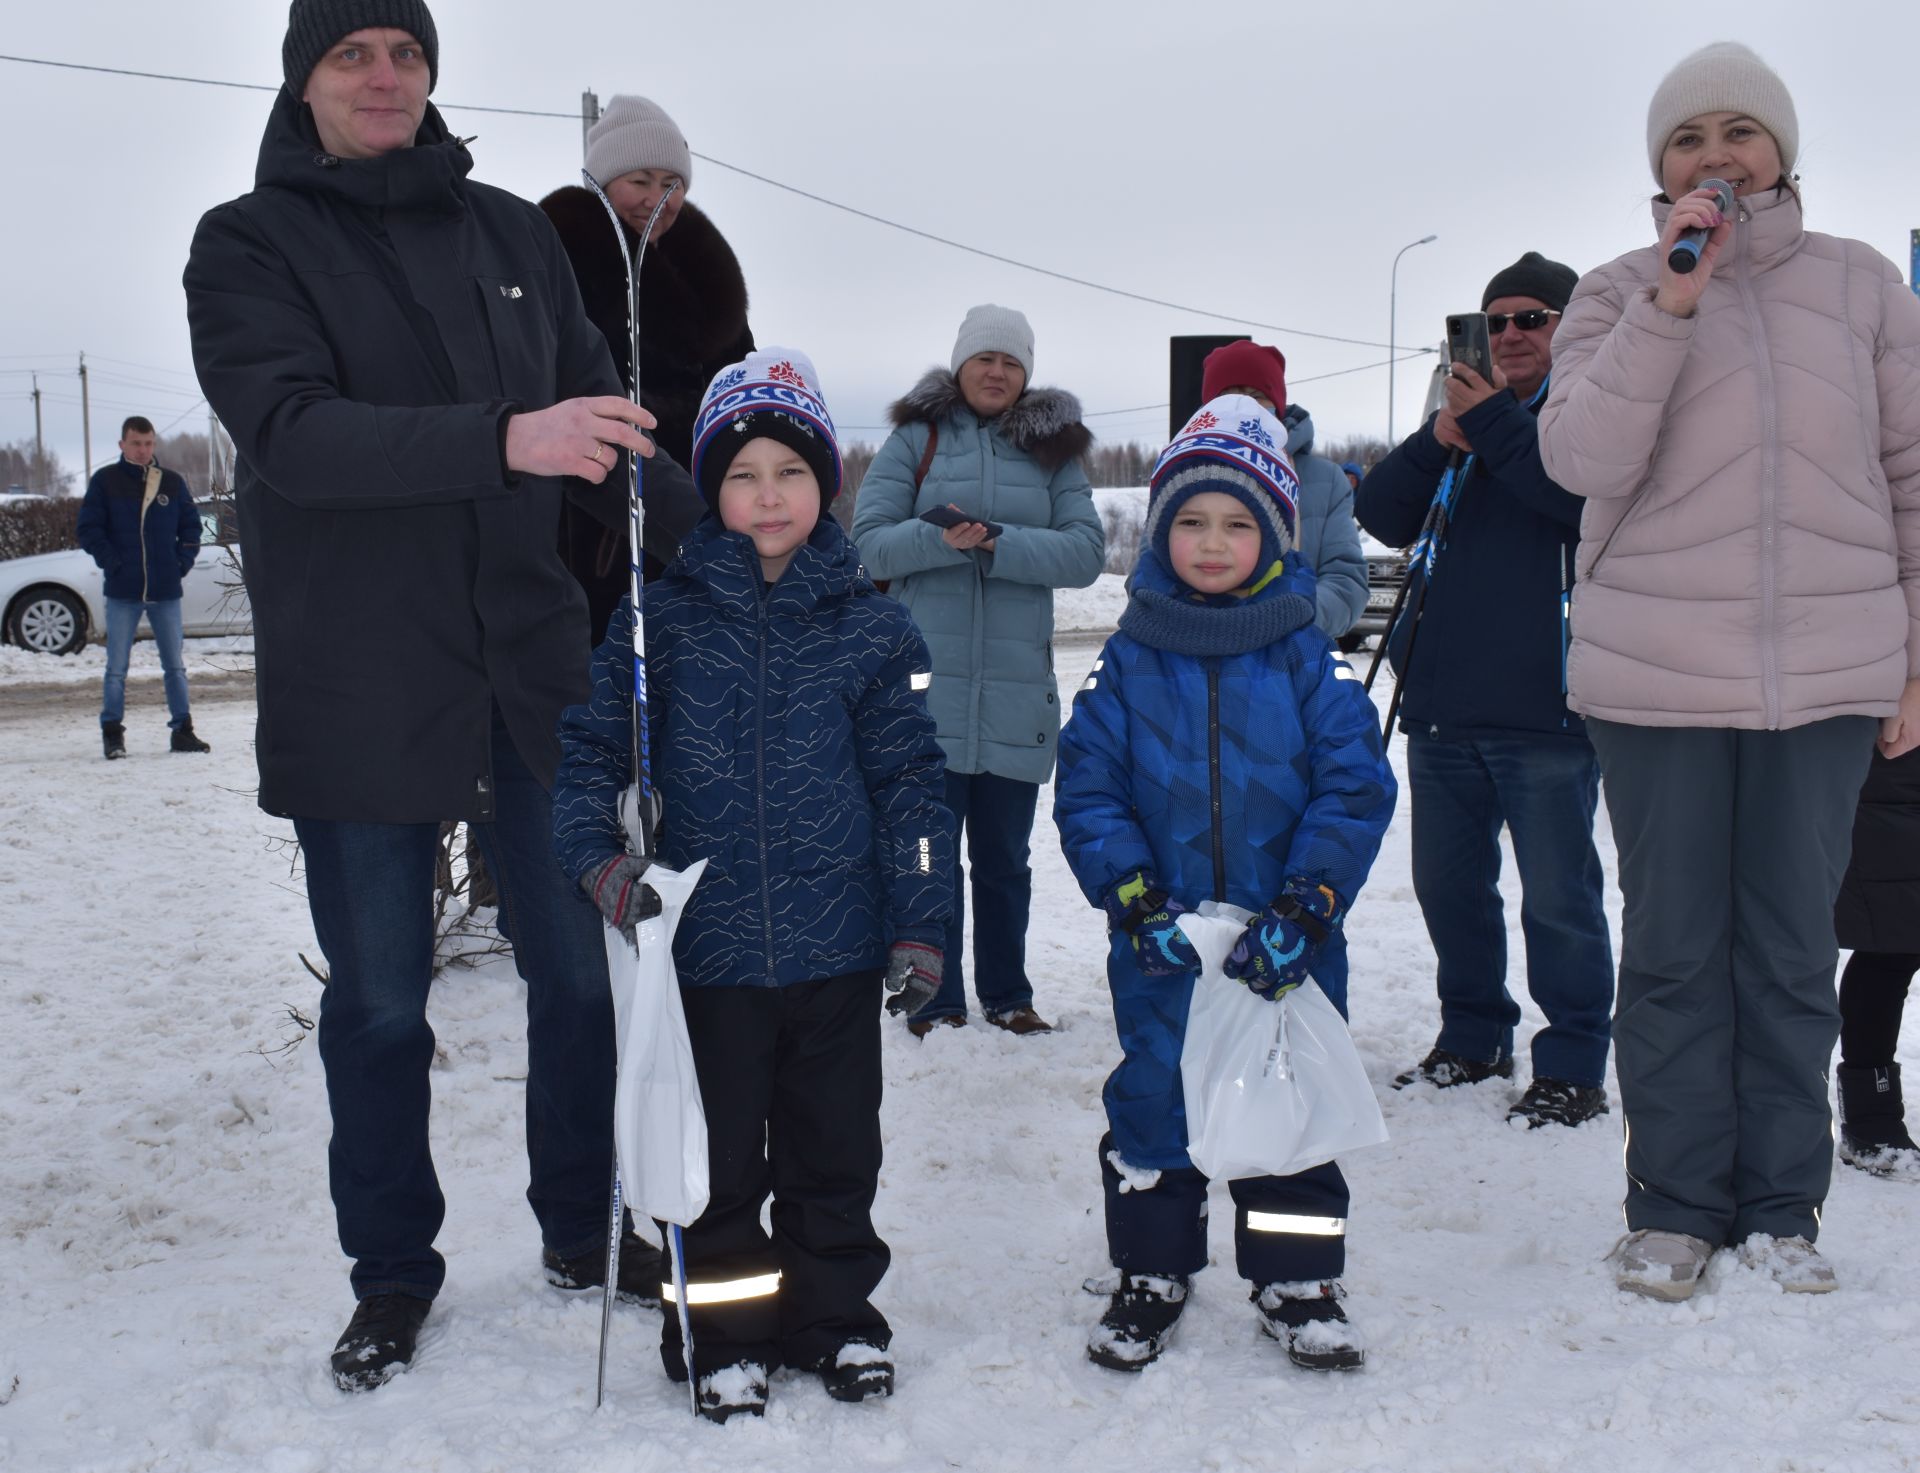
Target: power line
820	199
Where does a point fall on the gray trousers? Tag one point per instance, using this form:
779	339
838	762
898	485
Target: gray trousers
1732	847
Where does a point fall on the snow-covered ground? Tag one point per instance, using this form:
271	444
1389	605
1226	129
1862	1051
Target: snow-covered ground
214	655
172	1284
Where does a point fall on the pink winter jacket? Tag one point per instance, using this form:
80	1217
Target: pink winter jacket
1750	551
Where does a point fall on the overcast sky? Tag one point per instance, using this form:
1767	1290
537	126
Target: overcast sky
1264	161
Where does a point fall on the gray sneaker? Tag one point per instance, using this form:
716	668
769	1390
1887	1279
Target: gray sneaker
1660	1265
1792	1263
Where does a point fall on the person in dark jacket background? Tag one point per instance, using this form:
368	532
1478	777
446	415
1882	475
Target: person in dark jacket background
139	523
404	365
693	320
794	753
1878	918
1490	741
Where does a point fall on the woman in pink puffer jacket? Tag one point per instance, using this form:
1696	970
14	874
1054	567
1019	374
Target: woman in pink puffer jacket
1745	622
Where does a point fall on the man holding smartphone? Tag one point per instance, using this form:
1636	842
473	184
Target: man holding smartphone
1480	654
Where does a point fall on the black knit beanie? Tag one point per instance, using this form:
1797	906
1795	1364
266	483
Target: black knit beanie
314	27
1533	275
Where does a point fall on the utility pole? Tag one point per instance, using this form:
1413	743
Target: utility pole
86	417
589	115
214	487
39	444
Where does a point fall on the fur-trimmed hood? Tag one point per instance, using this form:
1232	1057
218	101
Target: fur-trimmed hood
704	311
1043	422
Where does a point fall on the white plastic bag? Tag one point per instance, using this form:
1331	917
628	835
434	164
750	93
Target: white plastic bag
659	1125
1271	1087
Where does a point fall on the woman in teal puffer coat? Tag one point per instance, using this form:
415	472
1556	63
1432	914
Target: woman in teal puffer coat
977	439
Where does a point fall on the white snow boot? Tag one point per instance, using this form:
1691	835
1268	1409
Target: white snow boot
1792	1263
1659	1264
1307	1319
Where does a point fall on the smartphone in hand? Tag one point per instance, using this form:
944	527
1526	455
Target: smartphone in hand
945	516
1469	342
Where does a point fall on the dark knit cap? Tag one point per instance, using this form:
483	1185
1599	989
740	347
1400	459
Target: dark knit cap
1533	275
314	27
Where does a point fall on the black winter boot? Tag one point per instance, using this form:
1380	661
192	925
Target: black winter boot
1444	1070
1873	1125
1308	1320
185	741
378	1342
1139	1321
113	737
641	1270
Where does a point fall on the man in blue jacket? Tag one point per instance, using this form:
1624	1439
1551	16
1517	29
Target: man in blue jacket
138	523
1480	654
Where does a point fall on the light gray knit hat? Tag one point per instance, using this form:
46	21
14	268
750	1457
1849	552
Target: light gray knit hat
634	133
991	329
1725	77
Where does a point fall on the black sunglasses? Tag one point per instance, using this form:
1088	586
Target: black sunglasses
1528	321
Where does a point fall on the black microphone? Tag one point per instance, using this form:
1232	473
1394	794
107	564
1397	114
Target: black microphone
1685	254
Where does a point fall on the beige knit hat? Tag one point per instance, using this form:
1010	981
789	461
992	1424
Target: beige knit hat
1724	77
634	133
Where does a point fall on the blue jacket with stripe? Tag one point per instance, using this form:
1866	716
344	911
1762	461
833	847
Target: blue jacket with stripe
791	749
1221	778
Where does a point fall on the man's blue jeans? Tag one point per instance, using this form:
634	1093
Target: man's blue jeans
996	814
370	886
123	622
1544	789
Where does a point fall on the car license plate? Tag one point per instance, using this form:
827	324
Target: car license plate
1382	598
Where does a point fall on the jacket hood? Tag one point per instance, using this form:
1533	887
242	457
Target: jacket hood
1043	422
693	292
825	570
425	178
1299	430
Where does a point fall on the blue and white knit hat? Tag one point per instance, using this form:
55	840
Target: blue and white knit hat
773	393
1234	446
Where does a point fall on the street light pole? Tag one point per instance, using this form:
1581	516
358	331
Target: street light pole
1393	323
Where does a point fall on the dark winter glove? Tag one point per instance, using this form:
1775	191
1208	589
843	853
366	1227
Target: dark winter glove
914	970
615	887
1279	945
1148	914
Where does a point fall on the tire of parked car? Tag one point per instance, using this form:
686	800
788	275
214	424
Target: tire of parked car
49	620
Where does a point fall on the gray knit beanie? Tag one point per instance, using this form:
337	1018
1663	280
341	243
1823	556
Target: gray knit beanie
991	329
1725	77
315	26
634	133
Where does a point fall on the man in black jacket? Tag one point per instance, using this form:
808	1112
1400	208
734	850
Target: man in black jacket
1481	659
138	522
401	357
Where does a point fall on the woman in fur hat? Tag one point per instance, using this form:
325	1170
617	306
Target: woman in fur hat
693	313
976	438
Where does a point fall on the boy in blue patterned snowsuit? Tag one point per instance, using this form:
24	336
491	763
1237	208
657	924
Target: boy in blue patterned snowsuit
1221	749
792	750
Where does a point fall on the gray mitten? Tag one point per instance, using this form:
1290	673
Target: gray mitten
615	887
914	970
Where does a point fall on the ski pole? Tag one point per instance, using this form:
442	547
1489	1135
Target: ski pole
640	793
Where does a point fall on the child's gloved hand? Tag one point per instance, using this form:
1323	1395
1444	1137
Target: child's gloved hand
1148	914
914	970
615	887
1279	945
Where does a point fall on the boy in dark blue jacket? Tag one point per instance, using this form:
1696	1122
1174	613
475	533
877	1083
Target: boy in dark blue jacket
1221	749
792	751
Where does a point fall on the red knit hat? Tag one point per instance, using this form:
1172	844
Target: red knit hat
1245	366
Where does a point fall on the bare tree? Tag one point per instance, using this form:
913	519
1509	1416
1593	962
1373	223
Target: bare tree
21	466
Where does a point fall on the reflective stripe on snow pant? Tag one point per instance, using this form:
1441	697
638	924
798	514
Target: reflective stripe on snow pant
724	1291
1288	1222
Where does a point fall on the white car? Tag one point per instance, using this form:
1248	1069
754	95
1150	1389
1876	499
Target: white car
53	602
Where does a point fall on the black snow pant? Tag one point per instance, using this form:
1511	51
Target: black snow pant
790	1080
1286	1229
1732	846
